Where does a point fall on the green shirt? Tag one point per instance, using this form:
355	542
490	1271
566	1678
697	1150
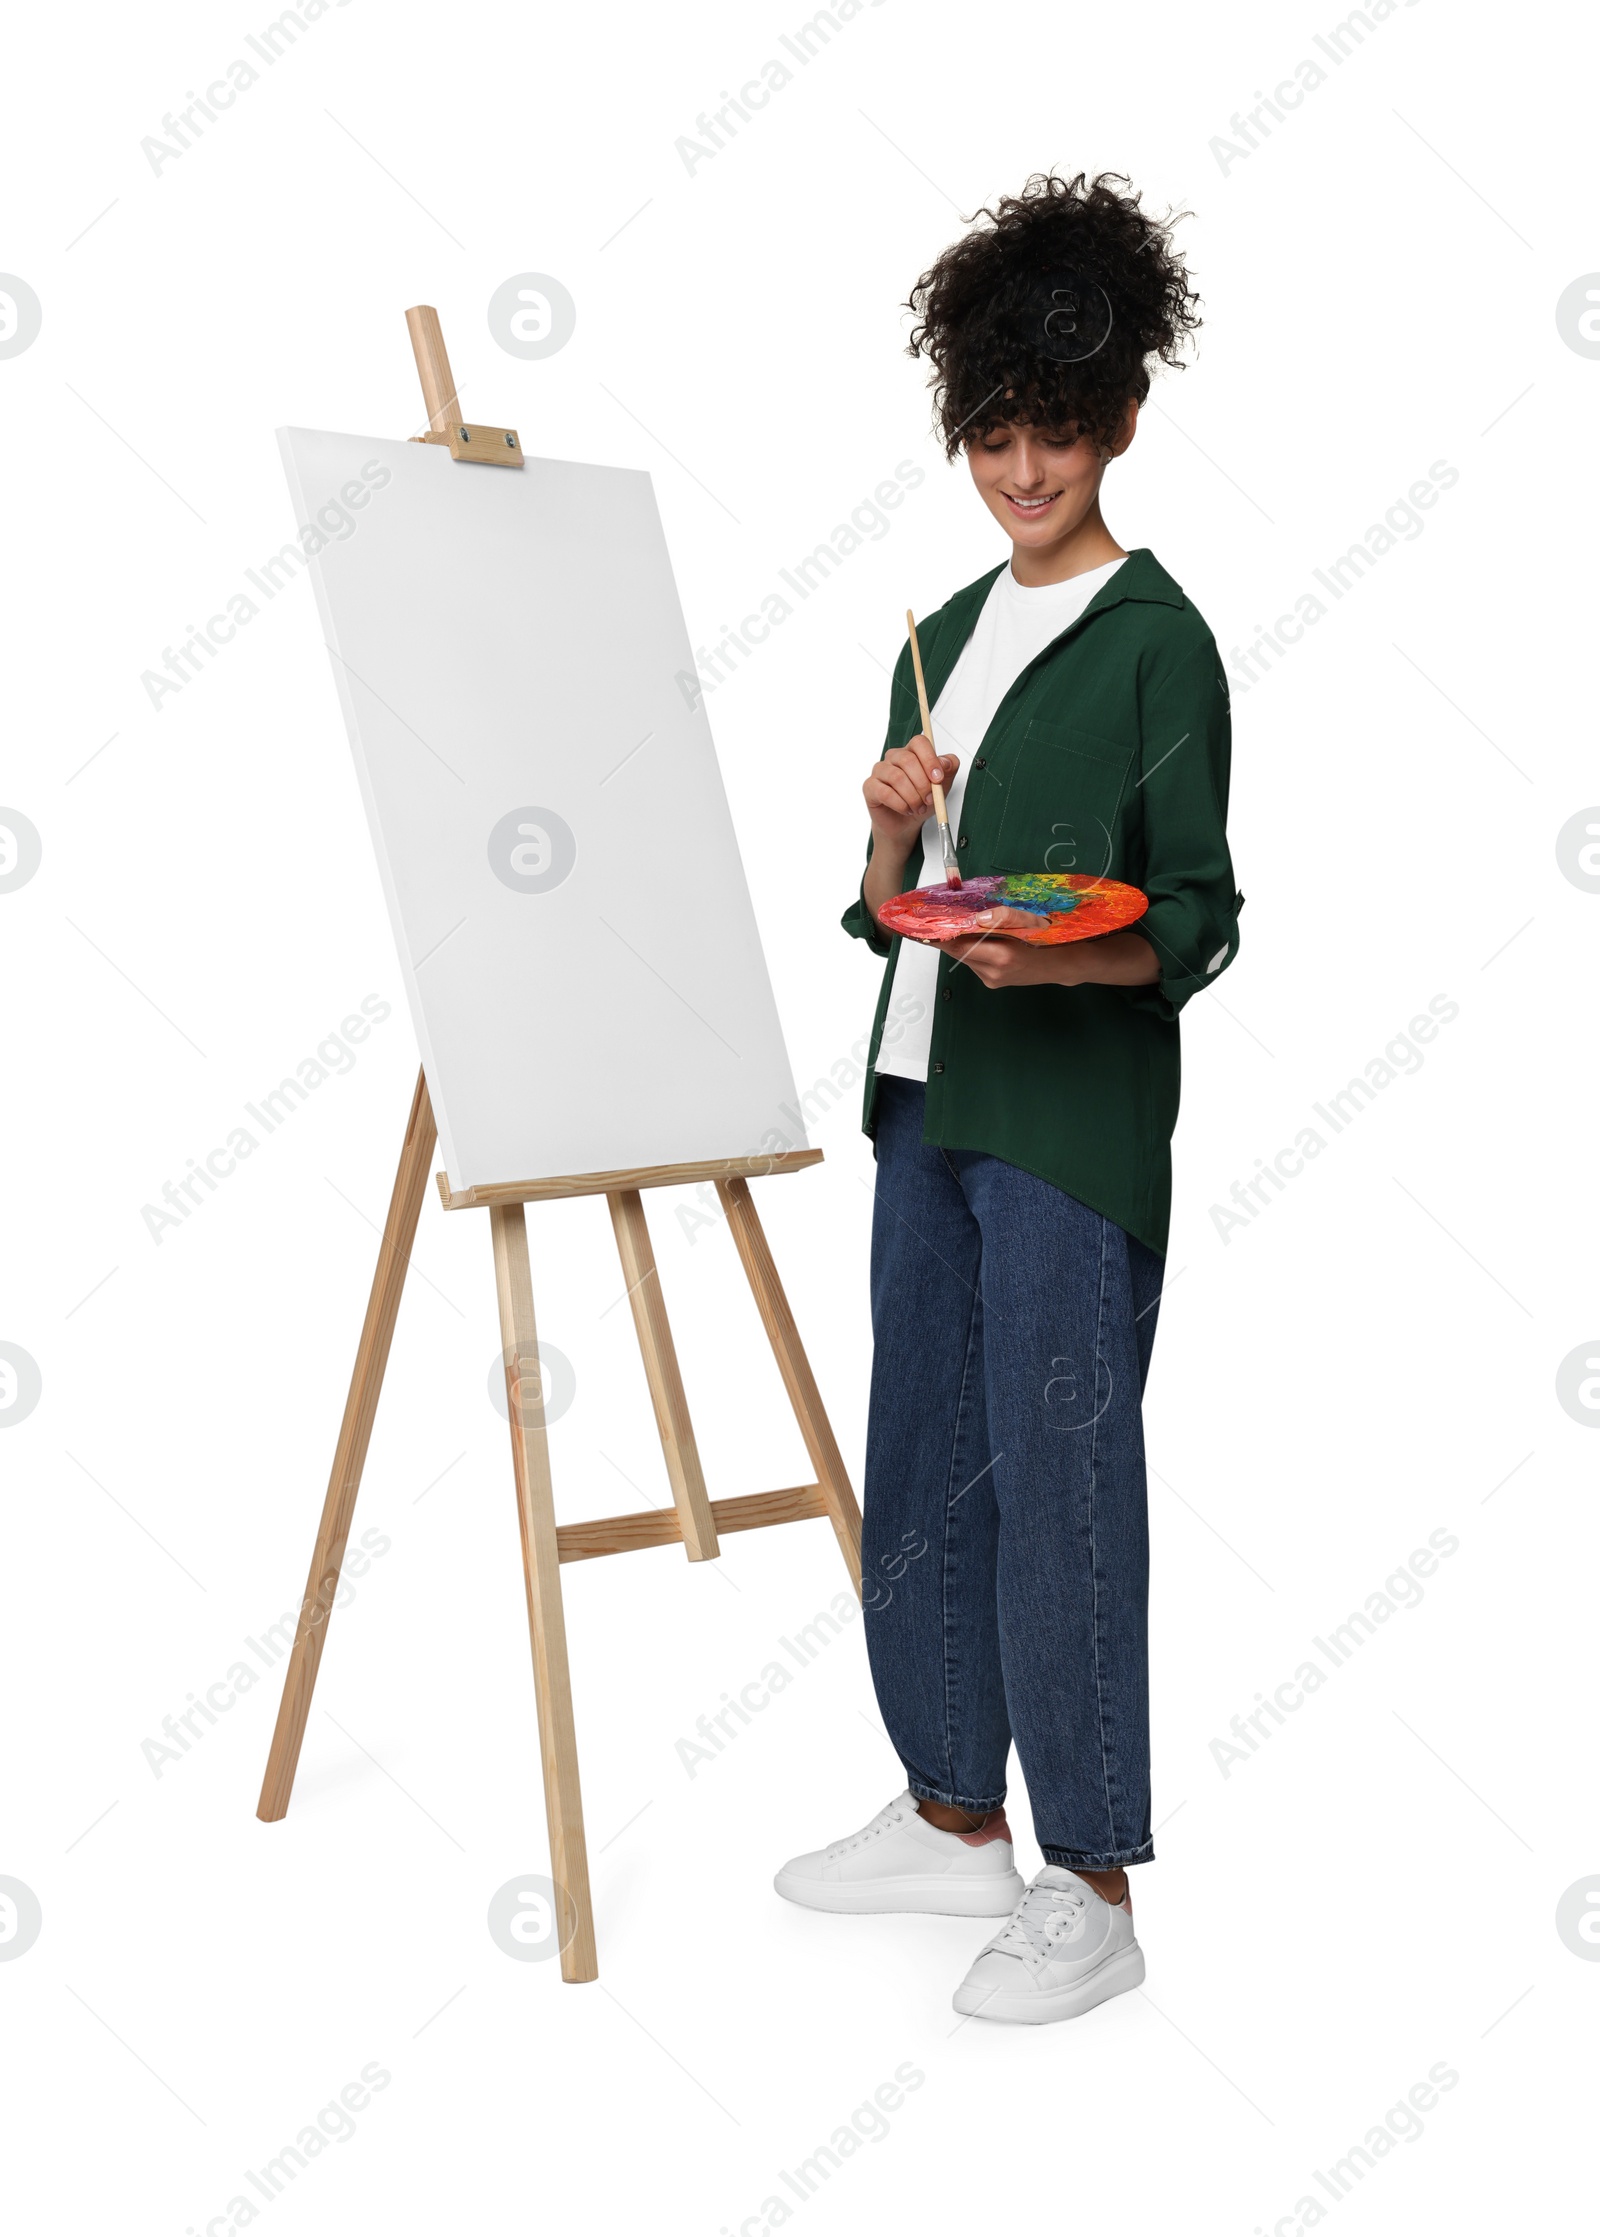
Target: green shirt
1108	754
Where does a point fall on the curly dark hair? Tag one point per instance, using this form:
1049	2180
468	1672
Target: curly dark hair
1013	316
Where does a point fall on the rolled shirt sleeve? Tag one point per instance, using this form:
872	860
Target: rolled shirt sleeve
858	921
1185	745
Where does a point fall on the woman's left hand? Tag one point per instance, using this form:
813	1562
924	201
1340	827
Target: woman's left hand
1113	959
1005	962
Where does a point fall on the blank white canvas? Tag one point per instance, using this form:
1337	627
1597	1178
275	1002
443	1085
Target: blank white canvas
509	650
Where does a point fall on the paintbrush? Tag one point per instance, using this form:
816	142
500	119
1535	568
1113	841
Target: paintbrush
952	876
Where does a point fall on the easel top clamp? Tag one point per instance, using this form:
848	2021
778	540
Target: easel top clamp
476	446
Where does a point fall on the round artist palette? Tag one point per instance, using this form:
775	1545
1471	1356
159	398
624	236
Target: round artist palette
1069	906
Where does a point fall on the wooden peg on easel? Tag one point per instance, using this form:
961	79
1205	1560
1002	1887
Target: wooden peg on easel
474	445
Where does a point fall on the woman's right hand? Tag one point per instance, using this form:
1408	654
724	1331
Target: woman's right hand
899	792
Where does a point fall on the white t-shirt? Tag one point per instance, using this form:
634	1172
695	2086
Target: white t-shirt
1014	627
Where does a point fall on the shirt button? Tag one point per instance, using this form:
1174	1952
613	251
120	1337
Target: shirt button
938	1067
961	842
945	995
982	762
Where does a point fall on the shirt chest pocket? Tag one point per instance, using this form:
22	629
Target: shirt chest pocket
1064	801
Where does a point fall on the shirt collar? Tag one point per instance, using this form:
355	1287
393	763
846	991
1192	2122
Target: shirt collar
1140	579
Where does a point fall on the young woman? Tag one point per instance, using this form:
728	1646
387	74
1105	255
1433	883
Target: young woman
1022	1119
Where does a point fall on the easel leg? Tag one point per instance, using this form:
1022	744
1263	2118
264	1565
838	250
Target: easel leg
350	1454
558	1744
661	1372
795	1368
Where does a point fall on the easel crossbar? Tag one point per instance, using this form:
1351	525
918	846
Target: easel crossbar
660	1526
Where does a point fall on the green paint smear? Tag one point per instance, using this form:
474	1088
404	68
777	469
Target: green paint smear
1041	894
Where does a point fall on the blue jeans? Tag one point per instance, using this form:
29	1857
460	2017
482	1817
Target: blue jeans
1005	1562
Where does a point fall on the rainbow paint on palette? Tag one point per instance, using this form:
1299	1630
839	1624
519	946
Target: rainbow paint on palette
1069	906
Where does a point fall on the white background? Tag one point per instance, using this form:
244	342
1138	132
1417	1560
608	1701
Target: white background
1372	1358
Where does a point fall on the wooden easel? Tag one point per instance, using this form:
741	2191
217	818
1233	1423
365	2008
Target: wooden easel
693	1518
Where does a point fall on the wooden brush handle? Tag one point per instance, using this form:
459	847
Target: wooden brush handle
922	705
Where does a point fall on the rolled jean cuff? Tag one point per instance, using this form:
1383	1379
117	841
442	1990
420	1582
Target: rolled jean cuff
973	1806
1100	1860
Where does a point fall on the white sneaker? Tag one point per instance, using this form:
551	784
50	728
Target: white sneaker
1063	1950
902	1863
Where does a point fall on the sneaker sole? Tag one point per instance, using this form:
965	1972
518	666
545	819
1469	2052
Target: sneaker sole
971	1899
1114	1977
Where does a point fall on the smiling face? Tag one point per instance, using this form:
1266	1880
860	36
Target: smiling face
1043	486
